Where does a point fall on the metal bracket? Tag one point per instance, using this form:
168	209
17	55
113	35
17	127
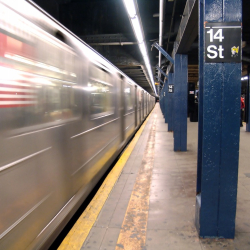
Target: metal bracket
160	80
156	45
161	71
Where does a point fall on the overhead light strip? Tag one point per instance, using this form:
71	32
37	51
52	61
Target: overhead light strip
138	31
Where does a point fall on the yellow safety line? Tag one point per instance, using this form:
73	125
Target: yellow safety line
134	227
78	234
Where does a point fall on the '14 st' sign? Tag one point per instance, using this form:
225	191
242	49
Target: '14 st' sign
223	42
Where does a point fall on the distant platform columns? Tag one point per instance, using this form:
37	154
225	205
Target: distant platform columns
166	101
170	101
180	102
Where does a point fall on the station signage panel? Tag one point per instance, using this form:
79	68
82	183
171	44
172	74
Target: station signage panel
170	88
223	42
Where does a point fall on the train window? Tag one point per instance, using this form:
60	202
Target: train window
59	35
101	92
29	100
57	102
100	100
38	75
128	98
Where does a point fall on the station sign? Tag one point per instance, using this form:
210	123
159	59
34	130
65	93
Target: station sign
170	88
223	42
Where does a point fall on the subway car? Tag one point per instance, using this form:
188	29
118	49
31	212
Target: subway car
65	115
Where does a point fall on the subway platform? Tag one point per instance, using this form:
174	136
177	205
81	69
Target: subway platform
147	201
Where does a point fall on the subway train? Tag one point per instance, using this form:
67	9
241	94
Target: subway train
65	115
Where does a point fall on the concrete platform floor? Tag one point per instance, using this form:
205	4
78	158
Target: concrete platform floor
170	219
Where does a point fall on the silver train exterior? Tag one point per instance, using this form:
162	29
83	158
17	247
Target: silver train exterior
65	114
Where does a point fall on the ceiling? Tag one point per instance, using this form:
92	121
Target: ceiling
104	25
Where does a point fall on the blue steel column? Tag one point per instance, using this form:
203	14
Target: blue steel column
247	104
200	96
166	102
160	99
220	132
170	103
180	102
163	100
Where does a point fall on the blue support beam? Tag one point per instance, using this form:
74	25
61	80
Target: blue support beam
166	101
162	72
219	118
158	78
156	45
163	100
161	82
200	94
160	99
180	102
170	103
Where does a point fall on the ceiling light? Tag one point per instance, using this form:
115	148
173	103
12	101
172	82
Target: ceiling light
130	7
143	49
138	31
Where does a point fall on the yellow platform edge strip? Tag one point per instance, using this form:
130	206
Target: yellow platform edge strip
78	234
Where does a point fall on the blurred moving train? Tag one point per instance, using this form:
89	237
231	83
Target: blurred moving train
65	114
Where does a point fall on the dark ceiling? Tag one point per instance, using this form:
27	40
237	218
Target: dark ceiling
104	24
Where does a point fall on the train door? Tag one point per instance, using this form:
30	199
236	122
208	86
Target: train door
122	111
136	109
142	106
139	105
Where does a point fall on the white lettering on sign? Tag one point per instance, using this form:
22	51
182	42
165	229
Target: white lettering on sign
212	49
220	49
170	88
218	35
222	42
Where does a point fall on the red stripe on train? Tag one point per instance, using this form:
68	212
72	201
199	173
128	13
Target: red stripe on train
16	99
4	85
16	93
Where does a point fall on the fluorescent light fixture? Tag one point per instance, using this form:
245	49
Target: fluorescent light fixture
147	63
129	4
143	49
138	31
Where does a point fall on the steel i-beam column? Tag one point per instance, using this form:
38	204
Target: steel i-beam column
160	98
200	96
219	116
170	101
180	102
166	101
163	100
